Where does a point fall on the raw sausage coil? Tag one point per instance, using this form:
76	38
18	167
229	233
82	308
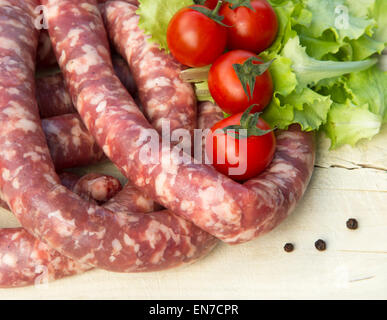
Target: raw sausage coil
94	235
89	234
24	260
230	211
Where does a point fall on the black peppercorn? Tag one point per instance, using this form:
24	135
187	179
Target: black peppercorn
352	224
289	247
320	245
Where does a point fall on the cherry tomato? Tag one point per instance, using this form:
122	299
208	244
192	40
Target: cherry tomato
211	3
227	90
194	39
250	30
227	153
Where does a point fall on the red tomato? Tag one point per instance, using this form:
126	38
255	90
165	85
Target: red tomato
194	39
211	4
227	152
227	90
252	31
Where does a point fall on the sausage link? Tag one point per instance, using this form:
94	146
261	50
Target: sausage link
163	95
70	144
70	180
230	211
54	99
132	2
123	73
3	204
132	200
101	188
45	56
208	115
87	233
52	96
98	187
25	261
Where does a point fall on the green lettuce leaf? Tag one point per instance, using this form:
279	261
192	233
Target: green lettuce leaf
359	108
380	15
346	19
365	46
310	108
330	84
369	87
284	79
305	107
365	88
319	48
294	100
155	16
348	124
310	71
284	10
278	114
341	30
362	8
336	88
292	103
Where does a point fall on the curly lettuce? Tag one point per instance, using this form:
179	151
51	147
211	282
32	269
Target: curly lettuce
345	19
340	29
324	75
380	15
294	74
359	106
348	124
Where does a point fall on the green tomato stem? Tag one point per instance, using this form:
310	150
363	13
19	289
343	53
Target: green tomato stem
202	92
217	8
195	74
248	123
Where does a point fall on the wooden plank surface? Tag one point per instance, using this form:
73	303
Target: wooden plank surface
346	183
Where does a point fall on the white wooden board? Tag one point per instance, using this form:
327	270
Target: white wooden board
346	183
